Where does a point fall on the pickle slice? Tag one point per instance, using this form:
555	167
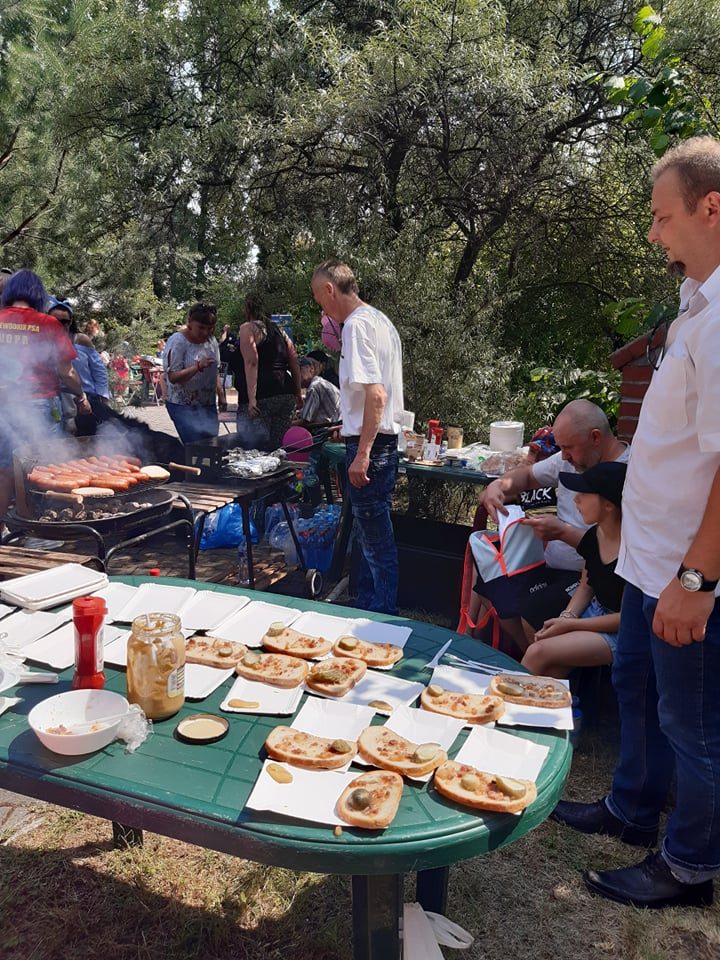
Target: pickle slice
275	629
381	705
328	675
470	782
279	774
251	659
224	650
359	799
244	704
510	688
340	746
347	643
434	690
511	788
425	752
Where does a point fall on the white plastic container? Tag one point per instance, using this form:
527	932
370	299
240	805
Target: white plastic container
506	435
78	707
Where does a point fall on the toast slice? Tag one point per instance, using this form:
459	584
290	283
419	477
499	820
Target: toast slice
472	707
371	800
530	691
155	472
390	751
334	677
214	652
273	668
304	750
93	491
483	791
374	654
282	639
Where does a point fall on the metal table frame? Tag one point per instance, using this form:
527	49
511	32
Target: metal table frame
205	805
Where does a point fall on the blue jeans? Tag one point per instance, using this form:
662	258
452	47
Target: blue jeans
669	700
378	573
193	423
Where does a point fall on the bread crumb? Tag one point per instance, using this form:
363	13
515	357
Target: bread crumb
338	831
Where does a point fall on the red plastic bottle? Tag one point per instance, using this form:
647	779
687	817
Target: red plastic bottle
89	620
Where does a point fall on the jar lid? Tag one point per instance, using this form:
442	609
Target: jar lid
202	728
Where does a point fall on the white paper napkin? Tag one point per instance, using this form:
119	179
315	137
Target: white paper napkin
495	752
275	701
250	624
378	686
207	610
421	726
321	625
312	795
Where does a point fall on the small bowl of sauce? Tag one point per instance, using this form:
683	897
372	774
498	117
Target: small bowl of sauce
202	728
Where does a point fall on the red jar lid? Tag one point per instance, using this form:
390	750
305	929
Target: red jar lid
89	607
154	572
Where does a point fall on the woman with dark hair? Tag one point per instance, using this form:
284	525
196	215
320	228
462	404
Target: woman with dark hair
89	368
267	379
36	359
191	361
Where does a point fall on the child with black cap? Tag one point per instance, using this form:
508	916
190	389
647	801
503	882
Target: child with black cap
585	633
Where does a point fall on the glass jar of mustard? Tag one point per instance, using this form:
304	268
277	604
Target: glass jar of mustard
156	665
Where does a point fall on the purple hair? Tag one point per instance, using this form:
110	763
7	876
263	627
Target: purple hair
25	285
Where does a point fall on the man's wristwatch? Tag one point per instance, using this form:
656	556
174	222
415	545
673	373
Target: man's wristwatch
694	581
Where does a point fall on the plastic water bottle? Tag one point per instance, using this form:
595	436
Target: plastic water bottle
243	571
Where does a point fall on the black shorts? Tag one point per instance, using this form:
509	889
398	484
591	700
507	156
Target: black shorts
530	594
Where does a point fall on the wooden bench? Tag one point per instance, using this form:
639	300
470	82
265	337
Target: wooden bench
17	561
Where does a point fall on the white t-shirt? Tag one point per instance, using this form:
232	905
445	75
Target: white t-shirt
560	555
676	448
371	353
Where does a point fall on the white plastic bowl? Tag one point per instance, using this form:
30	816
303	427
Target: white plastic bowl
73	707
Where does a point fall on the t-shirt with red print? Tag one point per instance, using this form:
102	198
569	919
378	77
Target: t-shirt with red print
32	346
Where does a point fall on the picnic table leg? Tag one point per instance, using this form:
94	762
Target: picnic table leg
245	510
377	905
431	889
124	837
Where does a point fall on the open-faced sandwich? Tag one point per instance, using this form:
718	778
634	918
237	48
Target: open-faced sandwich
336	676
483	791
272	668
282	639
304	750
214	652
372	800
471	707
374	654
390	751
529	691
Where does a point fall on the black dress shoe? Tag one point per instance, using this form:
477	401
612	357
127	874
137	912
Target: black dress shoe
649	884
596	818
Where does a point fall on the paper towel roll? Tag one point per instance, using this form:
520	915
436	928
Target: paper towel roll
506	435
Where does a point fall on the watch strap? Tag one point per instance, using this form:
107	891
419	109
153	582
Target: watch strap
707	586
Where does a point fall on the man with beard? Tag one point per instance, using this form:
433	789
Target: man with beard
667	668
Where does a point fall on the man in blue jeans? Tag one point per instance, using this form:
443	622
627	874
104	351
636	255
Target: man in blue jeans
667	667
371	405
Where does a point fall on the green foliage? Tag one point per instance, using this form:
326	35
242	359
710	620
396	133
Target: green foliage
553	388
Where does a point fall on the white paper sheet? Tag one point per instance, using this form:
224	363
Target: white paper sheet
459	681
421	726
321	625
375	632
514	513
274	701
491	751
115	651
5	609
341	721
207	610
57	649
156	598
201	681
379	686
312	795
250	624
21	629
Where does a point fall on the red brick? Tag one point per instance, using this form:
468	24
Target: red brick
630	408
633	390
637	374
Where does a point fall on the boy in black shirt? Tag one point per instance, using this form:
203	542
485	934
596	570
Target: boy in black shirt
585	633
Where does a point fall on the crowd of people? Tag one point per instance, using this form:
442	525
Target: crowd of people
632	556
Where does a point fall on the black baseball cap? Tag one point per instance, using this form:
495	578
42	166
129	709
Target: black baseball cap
606	479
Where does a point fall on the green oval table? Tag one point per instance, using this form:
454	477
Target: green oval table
198	794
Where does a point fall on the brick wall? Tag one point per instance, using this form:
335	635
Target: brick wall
636	376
